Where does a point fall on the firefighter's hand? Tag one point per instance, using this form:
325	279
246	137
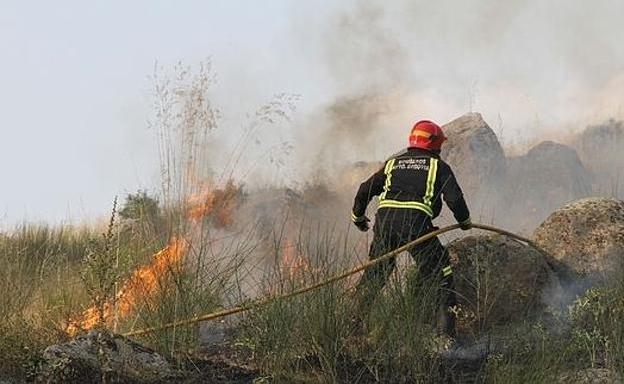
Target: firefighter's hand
466	224
362	223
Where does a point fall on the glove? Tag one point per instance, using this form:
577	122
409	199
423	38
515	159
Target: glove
362	223
466	224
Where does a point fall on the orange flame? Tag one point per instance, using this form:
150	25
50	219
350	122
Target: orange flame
218	202
144	281
293	264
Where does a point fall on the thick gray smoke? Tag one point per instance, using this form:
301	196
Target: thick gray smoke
533	69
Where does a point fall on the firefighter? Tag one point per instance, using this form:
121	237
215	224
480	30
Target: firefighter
411	186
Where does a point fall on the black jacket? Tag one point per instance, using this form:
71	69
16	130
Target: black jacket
413	179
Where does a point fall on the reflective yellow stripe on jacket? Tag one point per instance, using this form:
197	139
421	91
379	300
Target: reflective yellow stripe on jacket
431	178
426	205
388	172
406	204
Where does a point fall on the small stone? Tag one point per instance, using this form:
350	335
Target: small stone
87	358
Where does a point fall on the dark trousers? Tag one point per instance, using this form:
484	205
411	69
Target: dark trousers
393	229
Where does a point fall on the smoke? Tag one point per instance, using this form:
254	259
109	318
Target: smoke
366	65
534	67
367	70
530	68
388	65
534	70
392	65
363	52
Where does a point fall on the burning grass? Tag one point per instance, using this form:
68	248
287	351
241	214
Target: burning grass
122	288
142	284
146	281
188	255
308	338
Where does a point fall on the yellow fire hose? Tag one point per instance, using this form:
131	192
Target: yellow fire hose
268	300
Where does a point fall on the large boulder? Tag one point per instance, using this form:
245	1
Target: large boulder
498	281
546	177
600	149
587	235
475	155
103	357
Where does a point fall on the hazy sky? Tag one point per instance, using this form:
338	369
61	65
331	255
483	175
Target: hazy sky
74	91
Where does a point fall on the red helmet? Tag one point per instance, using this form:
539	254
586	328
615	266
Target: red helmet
426	135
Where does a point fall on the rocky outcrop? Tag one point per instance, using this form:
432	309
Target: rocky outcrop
548	176
600	149
89	358
587	235
474	153
498	281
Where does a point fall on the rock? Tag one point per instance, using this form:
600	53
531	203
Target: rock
587	235
475	155
591	376
498	281
87	358
600	149
548	176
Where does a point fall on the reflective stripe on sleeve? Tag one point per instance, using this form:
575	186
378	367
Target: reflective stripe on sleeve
431	178
447	271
